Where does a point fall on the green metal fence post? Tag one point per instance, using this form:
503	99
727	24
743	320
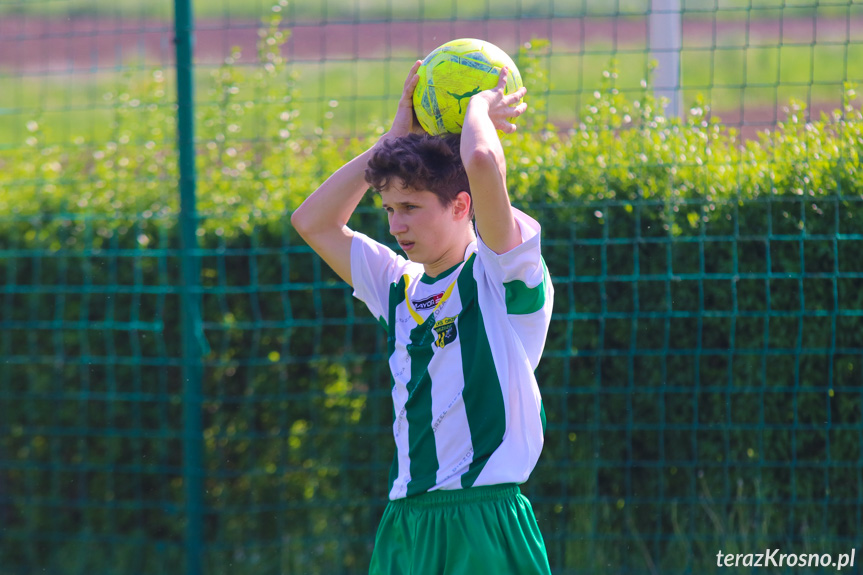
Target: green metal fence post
192	349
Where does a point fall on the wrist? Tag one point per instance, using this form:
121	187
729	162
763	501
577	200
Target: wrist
385	137
477	101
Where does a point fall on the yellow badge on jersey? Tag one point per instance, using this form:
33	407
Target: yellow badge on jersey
446	331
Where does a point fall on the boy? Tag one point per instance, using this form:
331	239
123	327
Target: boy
466	317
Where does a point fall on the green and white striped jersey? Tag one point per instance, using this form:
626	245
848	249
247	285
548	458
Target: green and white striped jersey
463	348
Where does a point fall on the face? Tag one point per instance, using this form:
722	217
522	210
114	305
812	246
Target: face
429	232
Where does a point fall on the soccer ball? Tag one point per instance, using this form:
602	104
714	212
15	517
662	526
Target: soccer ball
451	74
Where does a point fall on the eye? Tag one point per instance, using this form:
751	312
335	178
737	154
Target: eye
410	207
388	209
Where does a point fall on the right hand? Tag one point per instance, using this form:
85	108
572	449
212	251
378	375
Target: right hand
502	107
406	121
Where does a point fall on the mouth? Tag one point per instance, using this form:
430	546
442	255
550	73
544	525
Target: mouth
406	246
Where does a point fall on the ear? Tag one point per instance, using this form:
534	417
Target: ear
461	205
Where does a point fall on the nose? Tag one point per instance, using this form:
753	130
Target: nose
397	225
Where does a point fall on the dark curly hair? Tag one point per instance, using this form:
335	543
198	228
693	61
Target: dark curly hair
422	162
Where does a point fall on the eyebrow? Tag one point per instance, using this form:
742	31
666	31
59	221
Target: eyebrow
400	204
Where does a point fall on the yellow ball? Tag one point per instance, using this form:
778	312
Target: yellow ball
451	74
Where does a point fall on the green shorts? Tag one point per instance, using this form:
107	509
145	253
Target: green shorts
465	531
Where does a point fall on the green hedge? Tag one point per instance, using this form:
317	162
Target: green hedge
702	374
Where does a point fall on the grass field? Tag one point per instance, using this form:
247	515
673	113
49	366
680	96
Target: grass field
419	9
356	95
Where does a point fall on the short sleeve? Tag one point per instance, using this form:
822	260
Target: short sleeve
521	284
374	268
521	271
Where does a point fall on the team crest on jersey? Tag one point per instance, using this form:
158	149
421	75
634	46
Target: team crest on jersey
446	331
428	302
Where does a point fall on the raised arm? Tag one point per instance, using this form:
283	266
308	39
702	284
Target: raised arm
482	155
322	218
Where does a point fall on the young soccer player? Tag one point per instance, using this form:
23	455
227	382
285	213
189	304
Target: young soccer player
467	316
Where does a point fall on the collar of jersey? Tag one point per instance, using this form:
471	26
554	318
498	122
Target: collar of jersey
417	317
427	279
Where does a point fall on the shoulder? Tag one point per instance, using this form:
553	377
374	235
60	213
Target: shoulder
521	260
375	262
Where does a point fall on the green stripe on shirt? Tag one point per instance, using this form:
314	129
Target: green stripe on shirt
421	439
523	300
483	399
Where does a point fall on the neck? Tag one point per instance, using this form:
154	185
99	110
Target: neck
452	257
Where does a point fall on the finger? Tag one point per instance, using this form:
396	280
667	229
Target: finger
411	85
510	115
517	110
501	79
513	98
407	97
412	75
506	127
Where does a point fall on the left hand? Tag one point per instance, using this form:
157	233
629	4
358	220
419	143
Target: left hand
503	107
405	121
